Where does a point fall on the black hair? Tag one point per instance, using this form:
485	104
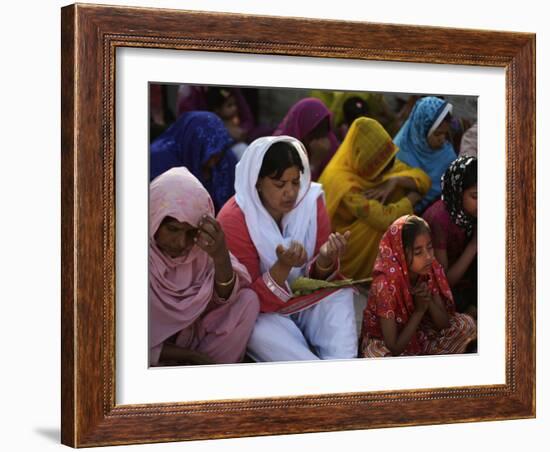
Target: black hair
470	175
216	96
413	227
448	118
354	108
279	157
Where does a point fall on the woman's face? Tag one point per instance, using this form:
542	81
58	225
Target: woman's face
279	195
437	139
422	254
469	201
175	238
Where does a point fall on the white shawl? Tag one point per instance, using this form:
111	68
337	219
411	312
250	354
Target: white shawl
299	225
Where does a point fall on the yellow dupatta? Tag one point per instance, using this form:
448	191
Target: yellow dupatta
361	163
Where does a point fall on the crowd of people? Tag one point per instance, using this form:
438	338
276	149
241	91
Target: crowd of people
345	187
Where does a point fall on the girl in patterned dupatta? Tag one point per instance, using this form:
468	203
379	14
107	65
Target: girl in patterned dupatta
367	189
410	308
199	309
423	143
199	141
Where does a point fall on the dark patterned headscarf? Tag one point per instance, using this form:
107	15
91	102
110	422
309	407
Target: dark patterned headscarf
461	175
192	141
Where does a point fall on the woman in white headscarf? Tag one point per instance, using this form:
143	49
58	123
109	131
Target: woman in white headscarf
278	227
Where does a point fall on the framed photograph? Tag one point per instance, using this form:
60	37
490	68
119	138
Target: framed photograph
111	57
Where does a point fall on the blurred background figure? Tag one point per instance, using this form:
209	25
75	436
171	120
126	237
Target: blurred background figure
200	142
309	120
423	143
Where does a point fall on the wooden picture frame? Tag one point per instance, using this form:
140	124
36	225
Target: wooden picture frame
90	36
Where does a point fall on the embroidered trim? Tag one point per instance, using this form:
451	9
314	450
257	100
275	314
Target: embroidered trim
282	293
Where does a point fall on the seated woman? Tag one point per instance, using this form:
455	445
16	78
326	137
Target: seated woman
195	97
277	226
367	189
423	143
453	221
199	309
222	101
353	108
375	104
199	141
410	308
309	121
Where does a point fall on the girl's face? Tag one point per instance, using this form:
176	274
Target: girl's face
438	137
279	195
422	255
469	201
228	109
174	238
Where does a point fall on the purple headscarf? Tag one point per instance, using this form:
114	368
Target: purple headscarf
301	120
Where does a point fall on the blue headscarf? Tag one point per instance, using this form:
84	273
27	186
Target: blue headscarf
191	141
414	149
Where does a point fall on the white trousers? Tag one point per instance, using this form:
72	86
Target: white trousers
324	331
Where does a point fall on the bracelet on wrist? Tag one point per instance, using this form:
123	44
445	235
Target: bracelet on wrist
323	269
227	283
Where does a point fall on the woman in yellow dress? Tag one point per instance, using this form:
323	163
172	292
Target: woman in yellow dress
367	189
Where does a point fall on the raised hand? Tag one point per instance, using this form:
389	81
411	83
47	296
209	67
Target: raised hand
422	297
333	248
210	238
293	256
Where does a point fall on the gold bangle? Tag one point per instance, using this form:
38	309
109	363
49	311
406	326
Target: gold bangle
228	283
323	269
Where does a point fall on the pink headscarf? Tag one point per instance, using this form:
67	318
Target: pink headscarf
301	119
179	288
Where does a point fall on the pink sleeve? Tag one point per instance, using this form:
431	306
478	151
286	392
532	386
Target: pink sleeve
272	297
154	354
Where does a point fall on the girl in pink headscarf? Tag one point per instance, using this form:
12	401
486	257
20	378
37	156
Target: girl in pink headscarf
200	312
309	120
